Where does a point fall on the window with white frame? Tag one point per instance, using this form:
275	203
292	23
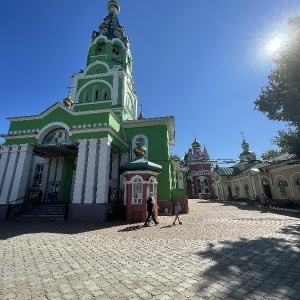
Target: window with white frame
137	190
104	94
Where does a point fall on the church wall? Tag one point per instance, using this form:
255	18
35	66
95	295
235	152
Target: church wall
93	105
158	152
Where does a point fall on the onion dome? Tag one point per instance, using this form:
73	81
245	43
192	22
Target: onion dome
139	150
141	116
113	7
245	145
196	144
140	163
246	155
68	101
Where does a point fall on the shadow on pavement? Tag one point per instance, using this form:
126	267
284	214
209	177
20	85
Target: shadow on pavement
14	227
131	228
167	226
253	268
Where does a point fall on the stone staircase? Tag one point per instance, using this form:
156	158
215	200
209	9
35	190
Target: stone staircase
43	211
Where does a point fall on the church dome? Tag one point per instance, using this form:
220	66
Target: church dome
247	155
196	144
68	101
113	6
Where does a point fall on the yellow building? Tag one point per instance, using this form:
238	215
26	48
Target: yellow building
278	178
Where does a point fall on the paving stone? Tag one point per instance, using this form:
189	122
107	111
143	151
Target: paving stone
221	252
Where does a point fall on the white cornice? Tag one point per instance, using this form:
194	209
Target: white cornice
74	113
17	136
139	172
102	129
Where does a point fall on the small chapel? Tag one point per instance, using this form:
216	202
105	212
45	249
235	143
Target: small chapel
92	151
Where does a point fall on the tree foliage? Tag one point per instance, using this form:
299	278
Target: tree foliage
270	153
280	99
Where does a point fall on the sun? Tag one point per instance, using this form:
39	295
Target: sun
274	45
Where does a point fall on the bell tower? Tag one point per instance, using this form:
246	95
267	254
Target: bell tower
107	81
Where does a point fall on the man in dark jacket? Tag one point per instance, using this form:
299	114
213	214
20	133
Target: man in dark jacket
150	210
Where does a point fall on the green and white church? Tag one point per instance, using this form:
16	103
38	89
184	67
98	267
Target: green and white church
73	152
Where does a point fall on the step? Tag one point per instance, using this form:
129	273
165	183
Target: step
44	211
40	217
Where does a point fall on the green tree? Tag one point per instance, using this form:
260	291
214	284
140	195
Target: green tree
270	153
280	99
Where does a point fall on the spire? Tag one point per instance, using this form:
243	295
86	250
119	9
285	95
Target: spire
246	155
68	101
245	145
110	27
141	116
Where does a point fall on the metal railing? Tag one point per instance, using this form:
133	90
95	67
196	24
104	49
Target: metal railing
25	198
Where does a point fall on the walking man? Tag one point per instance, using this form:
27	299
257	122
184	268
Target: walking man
150	210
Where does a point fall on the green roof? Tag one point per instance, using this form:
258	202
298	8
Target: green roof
224	171
140	164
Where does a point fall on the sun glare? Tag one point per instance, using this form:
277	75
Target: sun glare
274	45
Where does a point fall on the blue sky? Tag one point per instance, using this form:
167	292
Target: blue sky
203	62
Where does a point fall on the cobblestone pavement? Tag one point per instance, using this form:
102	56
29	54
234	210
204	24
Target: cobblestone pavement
220	252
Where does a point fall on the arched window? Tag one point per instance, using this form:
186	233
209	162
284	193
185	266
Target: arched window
116	53
152	186
101	49
202	185
86	96
104	94
282	184
297	182
137	190
95	93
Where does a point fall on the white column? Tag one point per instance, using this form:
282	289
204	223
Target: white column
124	159
103	171
91	173
52	166
3	164
79	185
252	186
10	173
22	172
59	169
